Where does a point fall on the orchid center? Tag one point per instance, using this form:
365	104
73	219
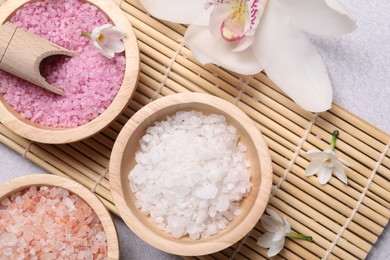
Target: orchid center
241	19
101	38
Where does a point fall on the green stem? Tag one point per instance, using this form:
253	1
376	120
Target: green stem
335	135
86	34
300	236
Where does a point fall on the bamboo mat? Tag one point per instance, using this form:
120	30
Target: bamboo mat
345	221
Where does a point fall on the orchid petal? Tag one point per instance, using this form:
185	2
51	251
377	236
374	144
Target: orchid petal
95	33
114	33
330	151
213	49
315	154
179	11
275	248
344	162
244	44
115	46
265	240
97	46
324	175
279	235
291	61
269	224
216	19
313	167
340	174
324	17
107	53
106	26
274	215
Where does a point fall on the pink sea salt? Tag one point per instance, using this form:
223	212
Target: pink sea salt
90	81
49	223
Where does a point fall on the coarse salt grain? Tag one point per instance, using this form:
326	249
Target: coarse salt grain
191	173
89	80
49	223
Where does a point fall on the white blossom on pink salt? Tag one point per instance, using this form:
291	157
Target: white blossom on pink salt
49	223
89	80
107	40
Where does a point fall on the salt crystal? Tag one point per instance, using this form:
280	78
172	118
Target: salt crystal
176	226
223	204
15	195
69	249
208	191
60	246
5	202
10	239
69	203
101	236
88	255
8	251
48	256
211	230
46	250
81	255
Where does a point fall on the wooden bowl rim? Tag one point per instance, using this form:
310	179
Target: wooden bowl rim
201	246
46	134
26	181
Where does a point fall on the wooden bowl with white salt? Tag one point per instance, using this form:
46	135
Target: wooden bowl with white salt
38	198
187	192
69	123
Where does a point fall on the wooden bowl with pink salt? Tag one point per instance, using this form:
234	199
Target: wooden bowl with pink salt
45	216
96	89
190	174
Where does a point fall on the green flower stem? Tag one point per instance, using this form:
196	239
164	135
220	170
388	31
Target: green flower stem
300	236
86	34
335	135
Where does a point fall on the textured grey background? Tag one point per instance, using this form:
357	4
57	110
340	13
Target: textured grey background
359	66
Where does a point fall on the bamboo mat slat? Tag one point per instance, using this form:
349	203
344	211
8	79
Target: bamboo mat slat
344	220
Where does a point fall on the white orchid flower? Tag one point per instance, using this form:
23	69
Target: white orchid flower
107	39
277	229
248	36
325	163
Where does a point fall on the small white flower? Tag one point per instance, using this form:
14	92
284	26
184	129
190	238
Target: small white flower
325	163
107	39
277	229
276	232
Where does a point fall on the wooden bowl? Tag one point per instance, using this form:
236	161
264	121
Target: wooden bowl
45	134
122	161
24	182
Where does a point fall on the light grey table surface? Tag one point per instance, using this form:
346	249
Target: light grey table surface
359	67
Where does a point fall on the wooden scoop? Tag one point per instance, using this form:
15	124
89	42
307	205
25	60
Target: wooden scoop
21	52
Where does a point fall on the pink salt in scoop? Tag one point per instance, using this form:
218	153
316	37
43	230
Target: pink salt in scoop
49	223
91	80
21	53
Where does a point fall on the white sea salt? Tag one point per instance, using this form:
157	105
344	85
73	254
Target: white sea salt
191	172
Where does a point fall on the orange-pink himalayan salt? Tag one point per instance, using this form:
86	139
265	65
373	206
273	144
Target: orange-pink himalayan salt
49	223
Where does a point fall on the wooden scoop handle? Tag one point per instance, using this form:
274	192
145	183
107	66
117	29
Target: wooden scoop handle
21	52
